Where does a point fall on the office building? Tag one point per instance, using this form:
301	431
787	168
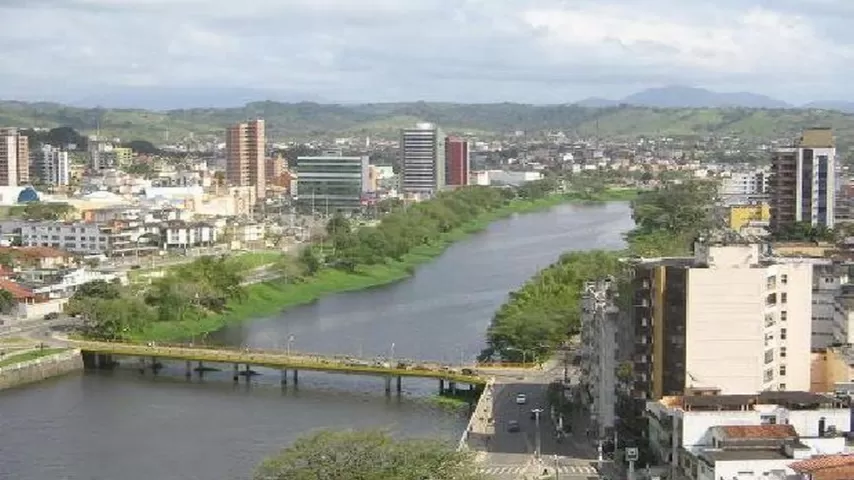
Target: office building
745	186
457	162
246	158
422	160
331	182
803	181
728	320
14	158
52	166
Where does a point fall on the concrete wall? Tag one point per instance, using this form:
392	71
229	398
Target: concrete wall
40	369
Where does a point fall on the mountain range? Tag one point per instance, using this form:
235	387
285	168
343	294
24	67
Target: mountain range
679	96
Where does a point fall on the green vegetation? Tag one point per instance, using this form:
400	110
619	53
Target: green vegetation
804	232
367	455
31	355
42	211
305	119
538	317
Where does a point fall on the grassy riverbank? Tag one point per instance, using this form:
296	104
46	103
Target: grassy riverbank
30	355
268	298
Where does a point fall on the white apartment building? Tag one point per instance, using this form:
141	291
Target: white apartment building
422	160
52	164
708	437
828	279
180	234
85	238
803	181
598	352
737	186
728	320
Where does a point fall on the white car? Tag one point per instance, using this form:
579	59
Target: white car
521	399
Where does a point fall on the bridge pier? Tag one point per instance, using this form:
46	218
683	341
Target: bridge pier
142	365
236	376
201	368
248	373
296	377
284	377
104	361
388	385
189	370
441	386
452	386
398	385
154	366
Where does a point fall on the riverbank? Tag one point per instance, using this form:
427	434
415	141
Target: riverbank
271	297
37	365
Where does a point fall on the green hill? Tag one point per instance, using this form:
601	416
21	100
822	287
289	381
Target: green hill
303	120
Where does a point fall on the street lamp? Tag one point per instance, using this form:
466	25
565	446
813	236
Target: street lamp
290	341
391	354
557	473
538	439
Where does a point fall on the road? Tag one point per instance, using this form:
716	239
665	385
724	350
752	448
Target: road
511	455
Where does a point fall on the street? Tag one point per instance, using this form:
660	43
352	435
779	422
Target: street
511	455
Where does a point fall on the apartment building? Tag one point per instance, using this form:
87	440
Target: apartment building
14	158
458	162
115	238
246	158
180	234
727	320
332	182
51	165
803	181
756	436
741	186
422	160
600	353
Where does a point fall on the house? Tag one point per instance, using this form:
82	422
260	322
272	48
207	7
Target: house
44	258
825	467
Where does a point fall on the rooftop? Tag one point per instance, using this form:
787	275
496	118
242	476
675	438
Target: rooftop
827	467
750	432
714	455
817	138
35	252
796	400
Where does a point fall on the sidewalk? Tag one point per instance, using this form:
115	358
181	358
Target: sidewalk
481	425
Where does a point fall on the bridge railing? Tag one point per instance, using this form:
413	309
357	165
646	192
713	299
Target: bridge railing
506	365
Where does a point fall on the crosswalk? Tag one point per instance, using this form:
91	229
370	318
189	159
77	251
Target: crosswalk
518	470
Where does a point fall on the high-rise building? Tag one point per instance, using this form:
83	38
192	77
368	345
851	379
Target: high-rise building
457	162
422	160
331	182
728	320
803	181
14	158
274	169
245	145
52	165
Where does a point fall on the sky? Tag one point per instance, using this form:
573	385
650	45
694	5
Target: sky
352	51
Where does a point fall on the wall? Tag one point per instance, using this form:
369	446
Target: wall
731	469
40	369
32	311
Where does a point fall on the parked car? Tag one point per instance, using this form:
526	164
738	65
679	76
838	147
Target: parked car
513	426
521	399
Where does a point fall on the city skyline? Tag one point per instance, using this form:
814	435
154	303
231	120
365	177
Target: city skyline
469	51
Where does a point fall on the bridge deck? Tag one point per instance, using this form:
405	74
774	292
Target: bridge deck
279	360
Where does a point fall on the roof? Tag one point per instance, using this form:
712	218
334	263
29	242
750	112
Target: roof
745	432
817	138
17	291
738	402
713	455
827	467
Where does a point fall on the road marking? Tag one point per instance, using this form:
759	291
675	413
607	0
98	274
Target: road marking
515	469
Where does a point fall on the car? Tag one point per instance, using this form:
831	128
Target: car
521	399
513	426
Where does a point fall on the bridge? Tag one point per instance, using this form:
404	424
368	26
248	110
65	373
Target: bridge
100	354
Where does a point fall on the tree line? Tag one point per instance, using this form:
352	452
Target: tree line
539	316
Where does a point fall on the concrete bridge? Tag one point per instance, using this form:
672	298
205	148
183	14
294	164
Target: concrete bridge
101	355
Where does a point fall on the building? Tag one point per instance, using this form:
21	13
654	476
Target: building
457	162
708	437
745	186
422	160
180	234
14	158
246	158
741	216
825	467
52	166
803	181
728	320
331	182
599	352
274	169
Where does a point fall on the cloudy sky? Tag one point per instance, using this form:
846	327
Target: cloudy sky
538	51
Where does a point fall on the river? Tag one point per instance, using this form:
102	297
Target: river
121	426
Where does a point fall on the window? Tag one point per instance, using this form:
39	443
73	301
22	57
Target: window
784	297
768	420
782	387
771	282
784	279
782	334
782	352
769	375
782	370
769	356
783	315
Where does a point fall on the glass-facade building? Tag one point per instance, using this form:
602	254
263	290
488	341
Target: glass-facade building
331	183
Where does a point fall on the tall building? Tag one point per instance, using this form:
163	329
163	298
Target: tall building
727	320
14	158
457	162
274	169
803	181
245	145
52	165
331	182
422	160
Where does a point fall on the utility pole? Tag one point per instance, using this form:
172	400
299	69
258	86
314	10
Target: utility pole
538	439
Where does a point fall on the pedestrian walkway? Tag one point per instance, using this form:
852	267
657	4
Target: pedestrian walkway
583	470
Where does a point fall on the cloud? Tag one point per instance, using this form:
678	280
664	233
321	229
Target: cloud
458	50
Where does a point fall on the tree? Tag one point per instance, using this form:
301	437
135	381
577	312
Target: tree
42	211
367	455
142	146
7	301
